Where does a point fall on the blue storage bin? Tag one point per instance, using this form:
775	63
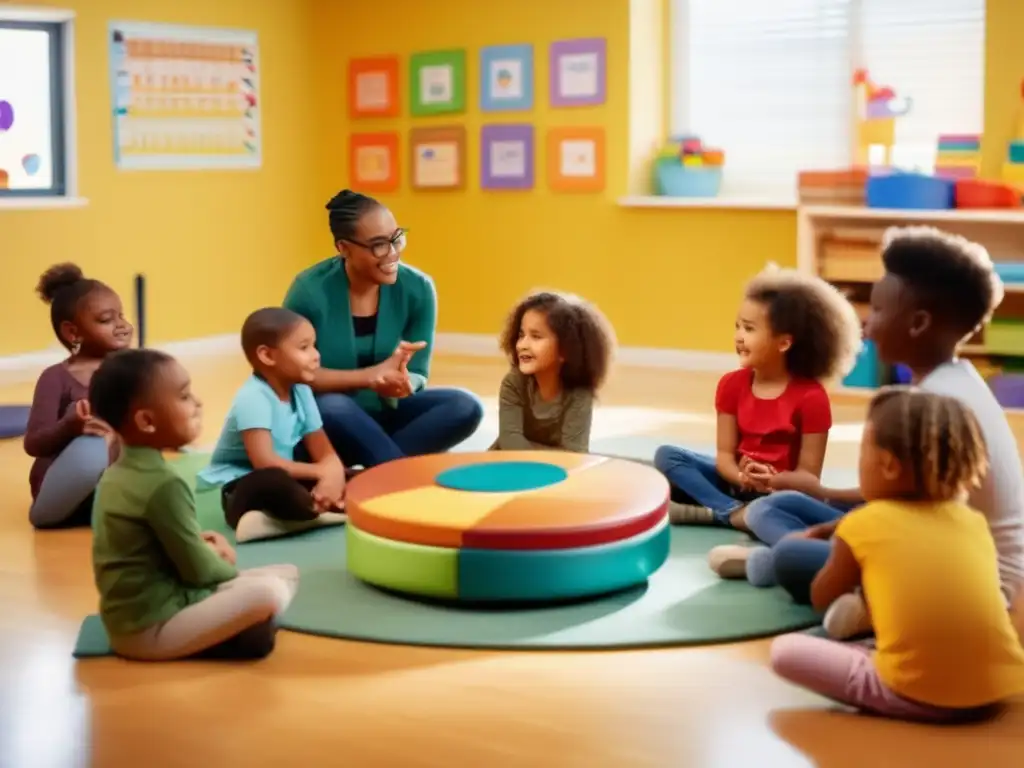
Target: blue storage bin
1016	154
911	191
1010	273
672	179
865	370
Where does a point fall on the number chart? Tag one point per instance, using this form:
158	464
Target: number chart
184	98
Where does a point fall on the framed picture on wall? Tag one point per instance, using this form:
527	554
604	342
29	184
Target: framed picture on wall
506	157
438	157
576	159
506	78
578	72
373	87
437	82
373	161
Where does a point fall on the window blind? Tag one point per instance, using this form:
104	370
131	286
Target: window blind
771	82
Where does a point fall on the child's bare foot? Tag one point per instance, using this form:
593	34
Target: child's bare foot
729	561
847	617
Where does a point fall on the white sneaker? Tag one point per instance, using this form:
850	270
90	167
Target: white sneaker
256	525
847	617
729	561
689	514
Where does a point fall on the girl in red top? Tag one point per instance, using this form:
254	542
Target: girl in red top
793	332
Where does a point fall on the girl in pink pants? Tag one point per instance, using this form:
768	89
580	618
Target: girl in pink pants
924	565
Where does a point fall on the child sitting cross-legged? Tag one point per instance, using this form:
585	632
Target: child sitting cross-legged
793	332
926	566
167	589
277	470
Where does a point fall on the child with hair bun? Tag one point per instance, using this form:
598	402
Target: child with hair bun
793	332
71	446
926	566
560	348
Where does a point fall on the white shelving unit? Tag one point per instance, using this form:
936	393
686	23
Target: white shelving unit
841	244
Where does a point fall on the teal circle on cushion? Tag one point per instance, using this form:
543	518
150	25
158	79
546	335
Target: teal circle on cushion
501	477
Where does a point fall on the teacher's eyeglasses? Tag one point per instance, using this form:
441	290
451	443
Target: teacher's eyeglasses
381	249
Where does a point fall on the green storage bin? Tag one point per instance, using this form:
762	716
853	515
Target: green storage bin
1005	337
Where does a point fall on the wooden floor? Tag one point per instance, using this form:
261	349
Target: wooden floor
327	702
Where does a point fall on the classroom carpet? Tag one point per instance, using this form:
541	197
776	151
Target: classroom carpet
683	603
13	420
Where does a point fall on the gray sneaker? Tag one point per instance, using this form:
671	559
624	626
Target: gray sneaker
689	514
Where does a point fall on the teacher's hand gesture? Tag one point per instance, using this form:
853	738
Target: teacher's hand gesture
391	377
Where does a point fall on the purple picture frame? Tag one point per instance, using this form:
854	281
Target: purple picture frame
489	134
592	45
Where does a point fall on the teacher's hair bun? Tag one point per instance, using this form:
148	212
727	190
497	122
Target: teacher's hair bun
344	199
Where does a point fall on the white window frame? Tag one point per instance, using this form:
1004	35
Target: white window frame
66	19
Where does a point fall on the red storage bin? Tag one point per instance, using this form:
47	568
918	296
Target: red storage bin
977	193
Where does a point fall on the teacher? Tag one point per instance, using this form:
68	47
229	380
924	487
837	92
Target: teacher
375	319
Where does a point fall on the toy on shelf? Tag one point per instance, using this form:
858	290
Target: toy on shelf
959	156
878	107
687	168
910	191
979	193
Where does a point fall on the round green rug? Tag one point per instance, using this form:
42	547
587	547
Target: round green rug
684	603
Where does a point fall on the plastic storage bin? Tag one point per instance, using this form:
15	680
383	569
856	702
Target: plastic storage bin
1011	273
673	180
865	371
977	193
911	191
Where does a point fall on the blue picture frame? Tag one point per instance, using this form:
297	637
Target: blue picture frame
506	78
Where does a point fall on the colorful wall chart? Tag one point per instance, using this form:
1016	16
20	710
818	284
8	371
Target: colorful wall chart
185	98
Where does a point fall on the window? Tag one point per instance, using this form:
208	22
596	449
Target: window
34	114
771	83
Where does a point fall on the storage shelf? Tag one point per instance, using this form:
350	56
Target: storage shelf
841	243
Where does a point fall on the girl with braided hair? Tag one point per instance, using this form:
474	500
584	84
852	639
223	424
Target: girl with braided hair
925	564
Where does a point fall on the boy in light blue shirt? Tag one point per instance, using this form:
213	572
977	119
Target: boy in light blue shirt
276	468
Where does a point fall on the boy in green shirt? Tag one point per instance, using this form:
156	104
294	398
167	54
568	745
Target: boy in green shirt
167	589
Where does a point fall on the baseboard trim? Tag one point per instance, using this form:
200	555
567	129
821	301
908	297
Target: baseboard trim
482	345
15	369
26	366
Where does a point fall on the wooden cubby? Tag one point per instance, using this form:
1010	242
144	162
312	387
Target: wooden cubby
842	245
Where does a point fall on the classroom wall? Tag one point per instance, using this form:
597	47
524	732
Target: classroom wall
666	278
213	245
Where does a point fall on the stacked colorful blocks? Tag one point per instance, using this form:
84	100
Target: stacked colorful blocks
509	526
959	156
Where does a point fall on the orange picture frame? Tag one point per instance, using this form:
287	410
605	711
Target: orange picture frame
373	87
373	161
576	159
437	157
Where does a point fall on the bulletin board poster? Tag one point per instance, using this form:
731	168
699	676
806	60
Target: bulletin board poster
184	98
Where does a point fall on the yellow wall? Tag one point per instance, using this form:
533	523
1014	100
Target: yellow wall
667	279
212	245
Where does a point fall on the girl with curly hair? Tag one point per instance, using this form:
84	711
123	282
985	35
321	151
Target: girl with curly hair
793	332
560	347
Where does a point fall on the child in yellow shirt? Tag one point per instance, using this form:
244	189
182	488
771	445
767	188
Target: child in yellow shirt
926	562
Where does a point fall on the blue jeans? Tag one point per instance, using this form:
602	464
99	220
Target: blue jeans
695	480
771	518
794	562
429	421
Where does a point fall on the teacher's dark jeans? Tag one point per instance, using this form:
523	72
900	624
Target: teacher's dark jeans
430	421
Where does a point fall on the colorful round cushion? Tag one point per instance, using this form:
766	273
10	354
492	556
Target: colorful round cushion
600	500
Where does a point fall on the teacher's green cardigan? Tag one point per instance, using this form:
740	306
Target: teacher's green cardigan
407	311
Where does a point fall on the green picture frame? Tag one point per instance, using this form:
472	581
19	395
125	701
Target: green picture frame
437	82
